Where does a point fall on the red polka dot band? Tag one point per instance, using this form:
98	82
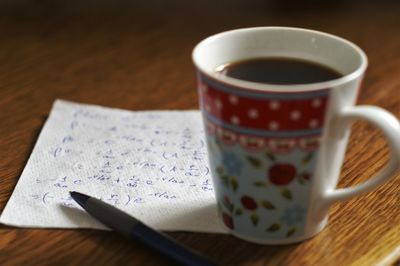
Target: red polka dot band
263	114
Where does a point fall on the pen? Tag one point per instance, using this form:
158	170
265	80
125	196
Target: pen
136	230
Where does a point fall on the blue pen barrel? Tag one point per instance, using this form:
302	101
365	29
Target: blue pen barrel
168	246
132	228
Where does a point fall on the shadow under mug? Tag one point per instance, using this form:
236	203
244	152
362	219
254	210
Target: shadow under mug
276	151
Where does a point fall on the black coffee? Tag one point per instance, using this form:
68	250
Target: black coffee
275	70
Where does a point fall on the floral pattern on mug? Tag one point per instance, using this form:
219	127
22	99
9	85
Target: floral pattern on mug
263	190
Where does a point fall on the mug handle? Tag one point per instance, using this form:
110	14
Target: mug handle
390	128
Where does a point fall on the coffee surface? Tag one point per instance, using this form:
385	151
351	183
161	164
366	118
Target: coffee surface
275	70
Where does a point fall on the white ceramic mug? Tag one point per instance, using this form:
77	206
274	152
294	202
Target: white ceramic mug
276	151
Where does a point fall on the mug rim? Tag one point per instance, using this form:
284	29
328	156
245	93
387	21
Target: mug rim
250	85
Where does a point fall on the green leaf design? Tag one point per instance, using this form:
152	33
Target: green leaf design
234	183
254	161
225	180
229	206
307	158
273	228
291	231
219	207
268	205
301	180
270	156
238	211
220	169
286	193
254	218
226	204
260	184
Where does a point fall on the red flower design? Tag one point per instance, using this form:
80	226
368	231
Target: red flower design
228	221
307	176
227	202
249	203
281	174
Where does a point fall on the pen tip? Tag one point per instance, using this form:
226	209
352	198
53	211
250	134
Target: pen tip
79	197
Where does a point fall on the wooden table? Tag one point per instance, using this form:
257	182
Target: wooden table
137	55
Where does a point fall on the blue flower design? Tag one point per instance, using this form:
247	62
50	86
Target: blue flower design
232	164
294	215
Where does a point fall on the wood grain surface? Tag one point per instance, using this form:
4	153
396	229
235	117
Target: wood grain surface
137	55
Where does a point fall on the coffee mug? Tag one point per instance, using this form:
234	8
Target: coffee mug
276	151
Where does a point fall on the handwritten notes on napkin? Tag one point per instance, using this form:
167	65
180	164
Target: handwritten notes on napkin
151	164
